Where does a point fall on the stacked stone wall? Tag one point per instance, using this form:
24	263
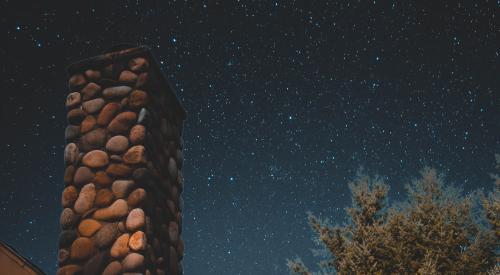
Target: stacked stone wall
122	205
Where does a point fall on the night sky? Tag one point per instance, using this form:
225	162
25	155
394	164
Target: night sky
285	101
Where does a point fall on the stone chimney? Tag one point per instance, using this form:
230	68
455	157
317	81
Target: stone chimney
122	205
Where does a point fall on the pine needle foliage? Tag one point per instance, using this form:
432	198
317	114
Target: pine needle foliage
436	230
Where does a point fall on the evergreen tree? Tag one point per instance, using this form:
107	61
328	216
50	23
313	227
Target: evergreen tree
436	230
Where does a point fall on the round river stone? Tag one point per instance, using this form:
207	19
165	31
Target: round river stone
117	144
73	99
93	106
115	211
88	227
120	247
90	91
96	159
83	175
82	248
92	140
108	113
135	219
122	122
85	199
116	92
137	134
106	235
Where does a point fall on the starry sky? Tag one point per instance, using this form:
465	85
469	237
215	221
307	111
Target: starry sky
285	101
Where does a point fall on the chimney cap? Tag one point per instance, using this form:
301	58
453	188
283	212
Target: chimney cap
125	51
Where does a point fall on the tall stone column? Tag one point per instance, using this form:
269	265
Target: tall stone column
122	200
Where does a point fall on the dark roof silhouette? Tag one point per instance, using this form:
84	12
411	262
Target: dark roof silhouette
11	262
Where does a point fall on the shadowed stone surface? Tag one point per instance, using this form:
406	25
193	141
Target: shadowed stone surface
106	235
122	176
116	92
82	248
69	196
83	175
114	268
93	140
90	91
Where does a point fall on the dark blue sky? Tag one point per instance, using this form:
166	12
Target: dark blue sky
285	101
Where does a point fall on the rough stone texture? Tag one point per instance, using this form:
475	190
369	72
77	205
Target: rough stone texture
120	248
76	116
88	227
73	100
117	144
135	219
108	113
68	218
141	175
90	91
88	124
173	262
76	82
96	159
137	241
116	92
137	134
136	197
71	154
118	170
172	169
82	248
138	64
102	179
142	80
122	206
122	122
71	269
92	140
127	77
96	264
106	235
62	256
104	198
114	268
138	99
83	175
116	159
71	132
66	238
85	199
173	232
121	188
69	196
115	211
93	106
132	262
92	75
135	155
